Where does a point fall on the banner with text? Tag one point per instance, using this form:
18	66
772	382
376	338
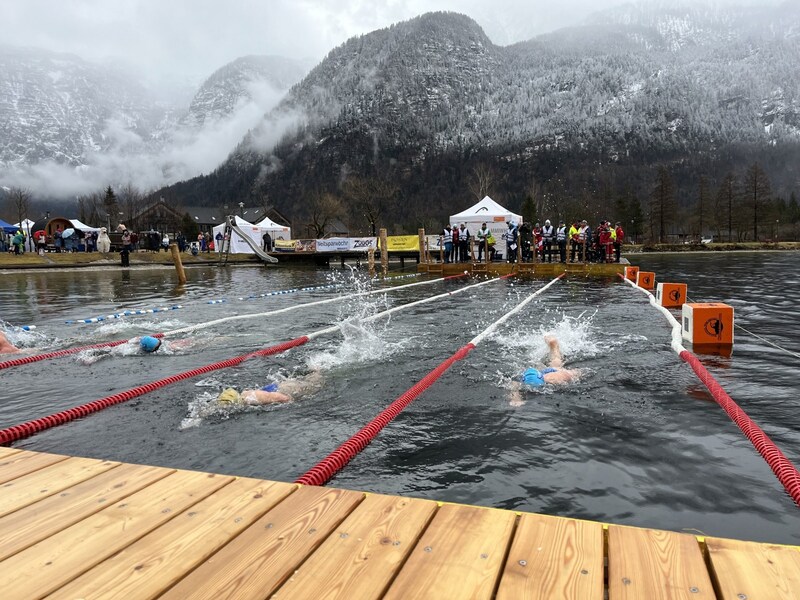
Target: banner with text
402	243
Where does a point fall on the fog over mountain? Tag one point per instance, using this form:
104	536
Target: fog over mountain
420	104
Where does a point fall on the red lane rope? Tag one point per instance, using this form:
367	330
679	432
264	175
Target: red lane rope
17	432
782	467
24	360
322	472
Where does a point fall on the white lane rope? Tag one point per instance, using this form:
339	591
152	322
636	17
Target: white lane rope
677	339
198	326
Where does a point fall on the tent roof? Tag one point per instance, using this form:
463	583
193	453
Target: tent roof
268	223
8	227
485	208
82	226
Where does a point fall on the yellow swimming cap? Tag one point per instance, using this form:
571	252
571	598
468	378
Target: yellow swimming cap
228	395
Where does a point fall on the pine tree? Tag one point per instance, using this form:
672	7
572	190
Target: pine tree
758	190
702	204
727	198
662	204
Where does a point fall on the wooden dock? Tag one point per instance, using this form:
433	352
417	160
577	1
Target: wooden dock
546	270
85	528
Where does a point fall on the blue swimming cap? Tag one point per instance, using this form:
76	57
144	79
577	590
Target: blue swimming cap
532	377
149	343
271	387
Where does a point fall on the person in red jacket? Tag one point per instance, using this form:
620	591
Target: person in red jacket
618	242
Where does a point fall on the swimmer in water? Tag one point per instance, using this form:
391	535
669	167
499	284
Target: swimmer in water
149	344
554	374
7	347
274	393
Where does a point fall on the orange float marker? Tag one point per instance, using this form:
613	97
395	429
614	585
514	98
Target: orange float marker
708	323
671	295
631	272
646	279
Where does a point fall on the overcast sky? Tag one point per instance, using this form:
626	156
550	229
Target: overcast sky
186	40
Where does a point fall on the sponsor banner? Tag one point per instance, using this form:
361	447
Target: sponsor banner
363	244
333	245
284	245
402	243
305	245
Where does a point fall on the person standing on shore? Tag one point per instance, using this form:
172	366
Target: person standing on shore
561	240
618	241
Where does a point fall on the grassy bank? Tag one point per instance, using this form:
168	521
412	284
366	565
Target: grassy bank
31	260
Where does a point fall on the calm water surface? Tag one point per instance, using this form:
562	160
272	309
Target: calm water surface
637	441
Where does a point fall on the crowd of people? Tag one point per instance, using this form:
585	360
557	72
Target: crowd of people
542	243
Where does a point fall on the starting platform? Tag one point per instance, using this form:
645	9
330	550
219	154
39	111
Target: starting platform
87	528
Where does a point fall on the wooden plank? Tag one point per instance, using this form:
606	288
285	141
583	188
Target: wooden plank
33	523
361	557
49	564
154	563
554	558
264	555
755	571
460	555
26	490
652	564
5	452
23	463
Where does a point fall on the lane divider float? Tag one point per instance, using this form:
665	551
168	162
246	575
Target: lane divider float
325	469
783	468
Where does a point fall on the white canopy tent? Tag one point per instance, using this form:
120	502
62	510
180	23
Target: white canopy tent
276	231
83	226
490	212
254	232
26	227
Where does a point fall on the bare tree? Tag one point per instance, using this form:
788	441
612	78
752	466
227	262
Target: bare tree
662	204
19	200
482	180
323	207
369	198
91	209
727	199
131	202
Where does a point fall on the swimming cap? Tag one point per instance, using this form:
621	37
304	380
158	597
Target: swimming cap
271	387
149	343
532	377
228	395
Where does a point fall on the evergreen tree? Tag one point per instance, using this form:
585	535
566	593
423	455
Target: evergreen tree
636	218
758	189
793	209
189	227
702	205
662	204
727	199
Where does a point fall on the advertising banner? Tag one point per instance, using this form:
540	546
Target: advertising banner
402	243
363	244
333	245
284	245
305	245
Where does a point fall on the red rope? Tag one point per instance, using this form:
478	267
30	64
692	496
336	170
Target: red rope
782	467
24	360
17	432
322	472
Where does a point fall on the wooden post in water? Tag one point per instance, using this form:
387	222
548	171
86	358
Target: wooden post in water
176	258
384	251
422	248
371	262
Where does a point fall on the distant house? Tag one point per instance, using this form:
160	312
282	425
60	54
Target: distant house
164	217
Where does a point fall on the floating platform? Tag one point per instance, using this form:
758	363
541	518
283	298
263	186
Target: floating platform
548	270
87	528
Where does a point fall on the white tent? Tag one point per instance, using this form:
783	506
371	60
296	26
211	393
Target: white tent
254	232
83	226
490	212
276	231
26	226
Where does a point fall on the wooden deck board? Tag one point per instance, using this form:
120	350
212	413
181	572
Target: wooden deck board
362	556
754	571
82	528
49	564
50	480
47	517
23	463
651	564
460	555
155	562
265	554
553	558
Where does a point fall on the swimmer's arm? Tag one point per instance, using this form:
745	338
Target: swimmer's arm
256	397
562	376
515	394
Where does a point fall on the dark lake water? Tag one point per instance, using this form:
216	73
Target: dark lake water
636	441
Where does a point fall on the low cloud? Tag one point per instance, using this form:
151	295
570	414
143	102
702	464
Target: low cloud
187	153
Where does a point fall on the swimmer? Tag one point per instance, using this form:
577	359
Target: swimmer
554	374
149	344
7	347
274	393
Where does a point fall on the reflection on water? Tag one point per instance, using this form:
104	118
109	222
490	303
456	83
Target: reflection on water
638	440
